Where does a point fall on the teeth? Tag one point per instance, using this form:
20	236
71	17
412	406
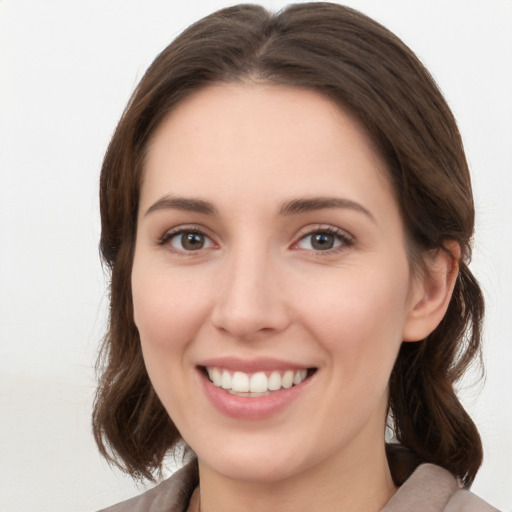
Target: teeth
259	382
274	381
226	380
299	377
215	376
287	380
240	382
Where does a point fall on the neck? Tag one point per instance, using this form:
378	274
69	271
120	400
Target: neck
353	482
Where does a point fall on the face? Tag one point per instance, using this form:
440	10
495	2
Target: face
271	284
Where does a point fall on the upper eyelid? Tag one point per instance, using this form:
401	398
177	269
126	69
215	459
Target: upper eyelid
168	234
187	227
300	234
347	240
311	229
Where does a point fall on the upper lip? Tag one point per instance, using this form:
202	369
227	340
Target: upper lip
252	365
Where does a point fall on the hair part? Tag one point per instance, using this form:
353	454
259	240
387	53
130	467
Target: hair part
367	70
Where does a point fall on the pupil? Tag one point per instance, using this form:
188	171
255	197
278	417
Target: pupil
322	241
192	241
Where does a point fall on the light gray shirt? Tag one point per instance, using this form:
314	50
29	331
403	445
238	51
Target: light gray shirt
430	488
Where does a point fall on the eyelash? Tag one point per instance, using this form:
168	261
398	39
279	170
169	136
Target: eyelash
343	237
167	237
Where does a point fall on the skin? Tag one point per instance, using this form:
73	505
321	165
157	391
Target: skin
259	288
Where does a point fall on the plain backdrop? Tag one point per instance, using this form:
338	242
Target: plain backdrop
67	69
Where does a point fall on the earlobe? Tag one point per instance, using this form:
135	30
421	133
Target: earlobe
432	292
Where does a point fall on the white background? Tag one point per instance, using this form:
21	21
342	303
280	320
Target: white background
66	71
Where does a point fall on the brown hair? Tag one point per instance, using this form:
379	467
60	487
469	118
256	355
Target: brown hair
368	70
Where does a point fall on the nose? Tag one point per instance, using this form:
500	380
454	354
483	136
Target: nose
250	300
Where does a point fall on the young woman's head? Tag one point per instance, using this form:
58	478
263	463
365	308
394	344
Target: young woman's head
286	201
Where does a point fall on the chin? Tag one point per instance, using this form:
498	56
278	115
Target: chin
256	460
263	470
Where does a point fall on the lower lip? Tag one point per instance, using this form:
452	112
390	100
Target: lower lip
247	408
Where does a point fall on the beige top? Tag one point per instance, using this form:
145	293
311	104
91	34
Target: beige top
430	488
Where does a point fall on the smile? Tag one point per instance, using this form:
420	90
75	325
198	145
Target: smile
253	390
255	384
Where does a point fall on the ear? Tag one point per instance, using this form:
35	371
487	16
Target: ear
431	292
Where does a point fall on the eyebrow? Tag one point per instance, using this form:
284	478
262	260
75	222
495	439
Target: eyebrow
292	207
184	204
310	204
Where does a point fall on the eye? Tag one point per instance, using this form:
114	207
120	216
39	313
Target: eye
187	240
324	240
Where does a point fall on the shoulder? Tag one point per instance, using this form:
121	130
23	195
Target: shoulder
466	501
172	495
433	489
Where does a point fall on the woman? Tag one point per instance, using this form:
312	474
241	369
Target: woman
287	216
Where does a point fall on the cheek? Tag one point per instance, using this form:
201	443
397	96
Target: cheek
359	318
168	314
168	310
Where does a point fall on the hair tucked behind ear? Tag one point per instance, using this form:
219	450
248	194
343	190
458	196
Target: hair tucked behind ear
367	70
428	417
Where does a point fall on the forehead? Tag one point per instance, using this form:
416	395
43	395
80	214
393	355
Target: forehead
248	139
